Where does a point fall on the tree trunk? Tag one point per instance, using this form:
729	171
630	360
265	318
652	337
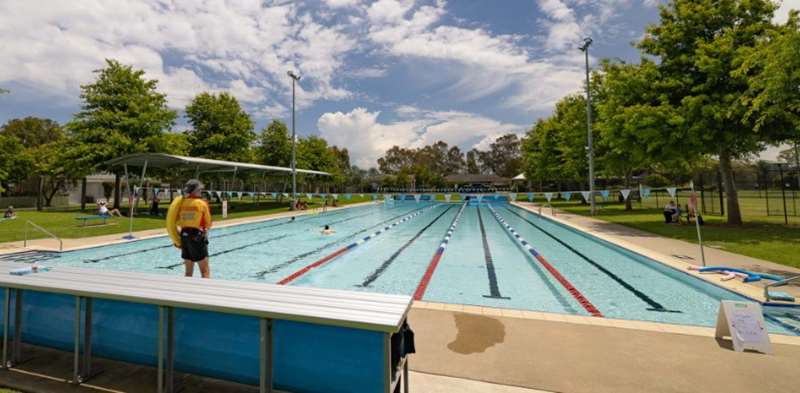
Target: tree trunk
39	193
116	191
628	204
83	194
726	171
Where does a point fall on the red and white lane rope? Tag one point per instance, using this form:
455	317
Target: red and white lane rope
426	278
582	300
349	247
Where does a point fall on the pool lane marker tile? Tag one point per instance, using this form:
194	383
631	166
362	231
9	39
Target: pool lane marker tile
347	248
494	289
582	300
426	278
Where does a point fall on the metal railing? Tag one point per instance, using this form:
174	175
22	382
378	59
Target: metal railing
778	284
29	223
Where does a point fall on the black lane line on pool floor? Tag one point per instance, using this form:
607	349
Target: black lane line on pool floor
382	268
170	267
95	260
654	305
494	290
299	257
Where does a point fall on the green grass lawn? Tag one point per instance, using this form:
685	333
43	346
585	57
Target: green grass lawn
760	237
63	224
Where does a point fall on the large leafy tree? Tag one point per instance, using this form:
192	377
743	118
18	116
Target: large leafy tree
13	160
275	145
637	127
221	129
473	165
122	113
504	157
42	155
699	45
540	152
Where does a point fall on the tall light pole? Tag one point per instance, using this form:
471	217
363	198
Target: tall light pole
295	79
585	49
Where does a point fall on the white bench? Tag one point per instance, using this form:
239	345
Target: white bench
369	312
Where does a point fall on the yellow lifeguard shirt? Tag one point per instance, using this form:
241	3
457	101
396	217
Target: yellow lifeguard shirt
188	212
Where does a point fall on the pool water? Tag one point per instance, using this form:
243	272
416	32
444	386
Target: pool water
482	264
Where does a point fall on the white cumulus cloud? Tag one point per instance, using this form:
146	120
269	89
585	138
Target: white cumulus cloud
367	138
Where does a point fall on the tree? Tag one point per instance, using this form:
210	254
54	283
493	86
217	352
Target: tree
473	164
540	152
504	157
275	145
221	129
396	159
772	69
122	113
699	45
42	155
455	161
13	160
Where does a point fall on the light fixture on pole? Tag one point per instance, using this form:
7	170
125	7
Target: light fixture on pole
585	49
295	79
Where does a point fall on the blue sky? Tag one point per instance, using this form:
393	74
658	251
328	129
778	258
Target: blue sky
374	73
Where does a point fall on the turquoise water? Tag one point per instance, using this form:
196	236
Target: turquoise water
482	263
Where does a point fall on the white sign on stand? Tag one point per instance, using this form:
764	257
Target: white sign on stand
744	323
225	208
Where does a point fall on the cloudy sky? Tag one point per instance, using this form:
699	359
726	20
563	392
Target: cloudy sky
374	73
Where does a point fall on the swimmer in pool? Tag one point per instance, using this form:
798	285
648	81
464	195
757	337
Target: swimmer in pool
327	230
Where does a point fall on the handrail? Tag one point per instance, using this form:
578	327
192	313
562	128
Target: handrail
31	223
777	284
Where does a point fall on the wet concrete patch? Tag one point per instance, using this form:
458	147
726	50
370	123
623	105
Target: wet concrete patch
476	333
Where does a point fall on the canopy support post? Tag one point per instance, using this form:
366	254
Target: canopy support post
133	200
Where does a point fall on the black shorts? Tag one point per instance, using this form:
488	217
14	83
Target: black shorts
194	244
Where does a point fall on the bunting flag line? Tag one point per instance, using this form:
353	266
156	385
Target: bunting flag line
605	194
672	191
309	195
586	195
447	197
274	195
548	196
530	197
567	195
348	197
479	198
513	196
645	193
417	197
625	194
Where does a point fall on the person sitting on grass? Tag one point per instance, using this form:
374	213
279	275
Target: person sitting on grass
9	214
677	215
669	212
103	210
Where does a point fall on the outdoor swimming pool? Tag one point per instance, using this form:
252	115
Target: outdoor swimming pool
496	255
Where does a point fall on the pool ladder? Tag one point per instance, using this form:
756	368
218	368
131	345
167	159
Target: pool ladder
29	223
778	284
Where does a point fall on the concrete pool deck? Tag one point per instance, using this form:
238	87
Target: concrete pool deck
575	358
678	254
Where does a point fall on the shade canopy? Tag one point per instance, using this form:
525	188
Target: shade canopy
200	165
521	176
